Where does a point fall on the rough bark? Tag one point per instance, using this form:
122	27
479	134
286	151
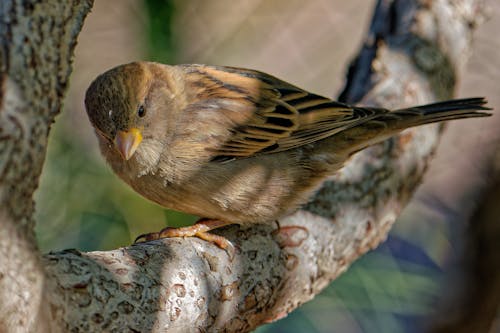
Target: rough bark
36	46
414	53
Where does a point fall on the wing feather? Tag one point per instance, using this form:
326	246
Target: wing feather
270	115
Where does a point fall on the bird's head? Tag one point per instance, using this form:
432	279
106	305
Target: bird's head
121	105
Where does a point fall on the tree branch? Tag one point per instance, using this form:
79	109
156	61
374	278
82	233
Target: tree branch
36	47
414	53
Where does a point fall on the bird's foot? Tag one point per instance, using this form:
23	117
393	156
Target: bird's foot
200	229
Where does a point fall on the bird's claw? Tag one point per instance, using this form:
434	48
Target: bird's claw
200	230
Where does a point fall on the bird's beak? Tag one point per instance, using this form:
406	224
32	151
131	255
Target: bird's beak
126	142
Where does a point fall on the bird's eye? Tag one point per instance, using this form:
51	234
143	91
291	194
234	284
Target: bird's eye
141	112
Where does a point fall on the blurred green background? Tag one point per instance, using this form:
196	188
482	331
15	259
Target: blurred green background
81	204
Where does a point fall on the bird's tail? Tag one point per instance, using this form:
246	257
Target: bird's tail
389	123
441	111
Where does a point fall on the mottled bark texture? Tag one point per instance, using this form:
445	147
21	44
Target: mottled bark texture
414	53
37	39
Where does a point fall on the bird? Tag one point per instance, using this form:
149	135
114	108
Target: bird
234	145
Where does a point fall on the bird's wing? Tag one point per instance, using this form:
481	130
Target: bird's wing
269	115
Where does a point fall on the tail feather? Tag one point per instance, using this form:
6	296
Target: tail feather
441	111
389	123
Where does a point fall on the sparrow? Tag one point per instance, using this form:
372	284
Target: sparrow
234	145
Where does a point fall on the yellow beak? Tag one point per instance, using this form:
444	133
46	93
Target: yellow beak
126	142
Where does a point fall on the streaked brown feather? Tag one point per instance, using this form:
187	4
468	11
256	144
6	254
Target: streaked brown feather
273	115
268	115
